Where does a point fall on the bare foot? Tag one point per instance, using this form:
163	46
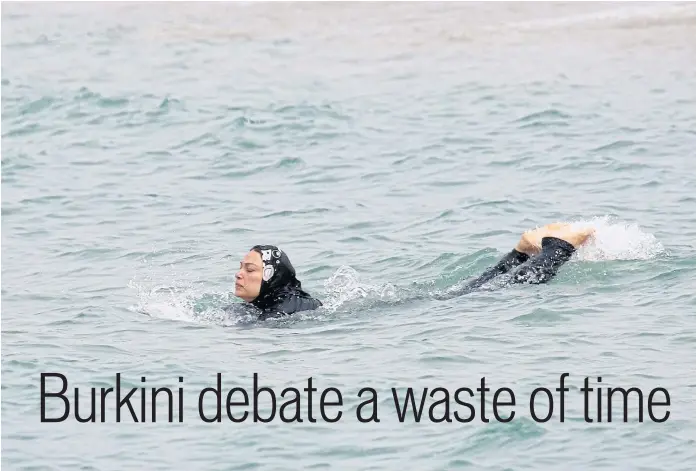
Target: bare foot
530	243
576	237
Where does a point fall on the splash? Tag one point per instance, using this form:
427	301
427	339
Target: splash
162	302
614	240
345	287
180	301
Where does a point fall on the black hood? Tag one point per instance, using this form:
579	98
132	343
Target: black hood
278	275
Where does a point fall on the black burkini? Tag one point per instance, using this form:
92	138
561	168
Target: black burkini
281	292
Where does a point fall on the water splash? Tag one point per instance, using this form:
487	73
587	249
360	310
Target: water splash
162	302
615	240
345	287
179	300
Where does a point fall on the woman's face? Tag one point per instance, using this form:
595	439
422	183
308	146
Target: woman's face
248	279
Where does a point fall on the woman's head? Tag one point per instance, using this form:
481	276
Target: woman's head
264	270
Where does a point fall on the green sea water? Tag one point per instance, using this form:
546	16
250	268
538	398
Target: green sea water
393	150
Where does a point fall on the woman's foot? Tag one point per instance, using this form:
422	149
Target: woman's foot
575	237
530	243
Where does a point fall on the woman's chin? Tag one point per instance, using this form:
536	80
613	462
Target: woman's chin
243	295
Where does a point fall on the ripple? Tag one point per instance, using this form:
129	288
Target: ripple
614	146
541	116
539	316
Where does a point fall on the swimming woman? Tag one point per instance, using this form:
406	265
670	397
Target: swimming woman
266	279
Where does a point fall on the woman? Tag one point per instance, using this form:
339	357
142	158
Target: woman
266	278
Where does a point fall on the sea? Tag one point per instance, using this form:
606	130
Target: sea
394	151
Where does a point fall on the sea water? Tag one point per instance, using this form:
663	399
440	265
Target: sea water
394	151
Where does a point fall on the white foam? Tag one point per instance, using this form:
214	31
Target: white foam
615	240
345	286
162	302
